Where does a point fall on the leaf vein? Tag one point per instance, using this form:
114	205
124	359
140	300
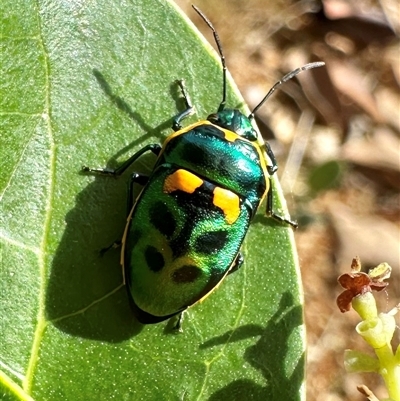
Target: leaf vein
41	319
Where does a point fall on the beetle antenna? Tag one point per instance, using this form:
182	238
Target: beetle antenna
219	46
286	78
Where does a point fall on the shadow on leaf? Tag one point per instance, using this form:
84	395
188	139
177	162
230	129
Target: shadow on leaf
85	295
283	376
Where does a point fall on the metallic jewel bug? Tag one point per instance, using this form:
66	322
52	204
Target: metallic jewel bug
185	229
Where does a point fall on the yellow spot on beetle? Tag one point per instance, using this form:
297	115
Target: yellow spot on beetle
230	136
182	180
228	202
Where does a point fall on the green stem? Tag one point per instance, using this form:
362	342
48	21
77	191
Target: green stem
390	371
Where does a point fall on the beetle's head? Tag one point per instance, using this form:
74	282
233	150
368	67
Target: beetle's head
234	120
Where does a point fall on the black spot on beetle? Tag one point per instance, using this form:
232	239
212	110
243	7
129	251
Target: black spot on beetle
154	258
162	219
211	242
186	274
195	154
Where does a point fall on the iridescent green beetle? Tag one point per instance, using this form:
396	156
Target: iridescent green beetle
185	229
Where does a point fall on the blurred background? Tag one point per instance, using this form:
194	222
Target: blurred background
336	134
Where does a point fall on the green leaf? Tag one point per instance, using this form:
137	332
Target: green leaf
325	176
90	83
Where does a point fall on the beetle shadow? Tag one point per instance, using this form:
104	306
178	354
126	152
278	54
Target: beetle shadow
86	296
122	105
268	356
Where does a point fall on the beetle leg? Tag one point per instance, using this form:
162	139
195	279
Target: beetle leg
176	124
274	165
114	245
272	168
237	264
178	325
136	178
269	211
153	147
